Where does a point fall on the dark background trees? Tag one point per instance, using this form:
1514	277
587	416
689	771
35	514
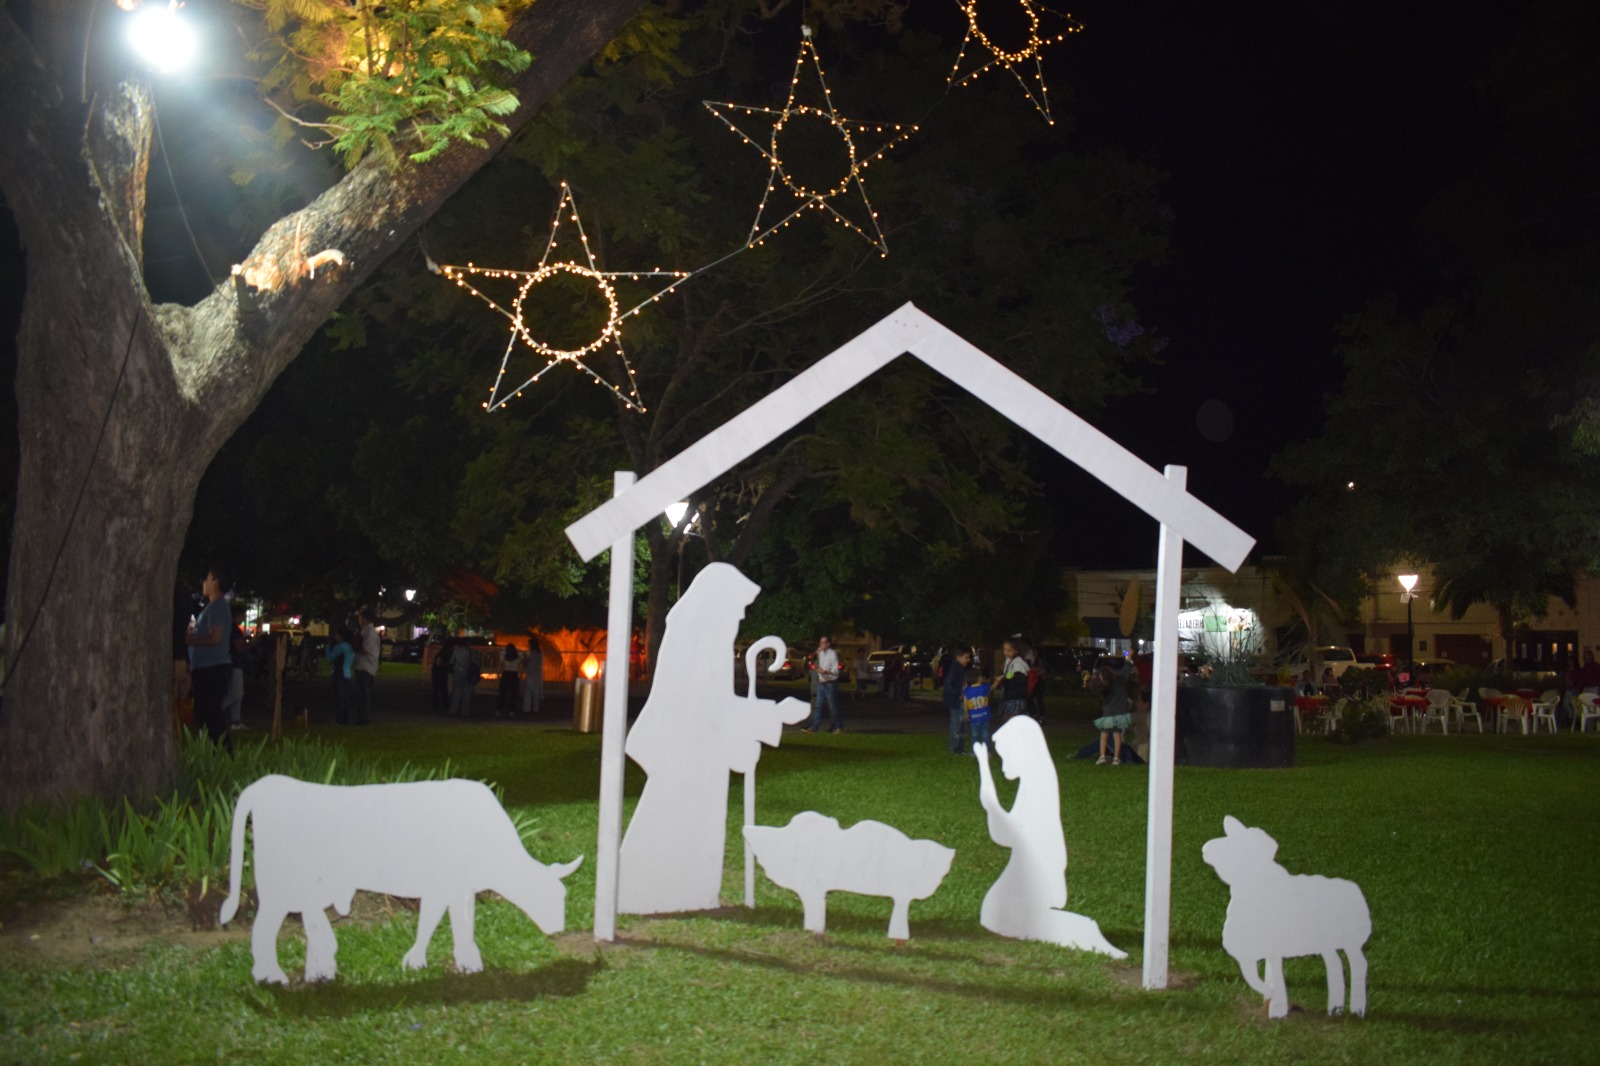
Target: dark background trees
904	507
1460	436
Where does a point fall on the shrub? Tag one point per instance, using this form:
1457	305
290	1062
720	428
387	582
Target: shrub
184	841
1360	720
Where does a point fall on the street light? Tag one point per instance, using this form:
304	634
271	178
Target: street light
162	39
1408	582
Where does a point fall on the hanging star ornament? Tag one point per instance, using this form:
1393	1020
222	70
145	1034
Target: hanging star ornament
609	339
1041	27
784	183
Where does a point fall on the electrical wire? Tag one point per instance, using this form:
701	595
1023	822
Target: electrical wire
83	487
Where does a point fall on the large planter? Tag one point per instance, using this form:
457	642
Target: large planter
1236	727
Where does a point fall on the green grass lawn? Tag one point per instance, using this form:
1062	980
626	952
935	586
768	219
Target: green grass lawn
1478	857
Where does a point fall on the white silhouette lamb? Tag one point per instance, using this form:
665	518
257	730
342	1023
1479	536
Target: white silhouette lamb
441	842
1273	915
813	856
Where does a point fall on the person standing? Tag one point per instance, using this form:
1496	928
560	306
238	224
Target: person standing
342	657
239	656
439	670
367	650
532	677
1116	709
1036	676
463	680
975	704
859	670
210	656
1012	684
955	679
827	674
510	695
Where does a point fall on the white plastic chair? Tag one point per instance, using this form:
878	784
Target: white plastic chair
1437	710
1544	709
1465	708
1588	707
1514	709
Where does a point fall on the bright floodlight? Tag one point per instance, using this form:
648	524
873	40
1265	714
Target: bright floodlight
1407	581
675	512
161	38
411	594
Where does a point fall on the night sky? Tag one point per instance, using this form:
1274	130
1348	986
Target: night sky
1302	142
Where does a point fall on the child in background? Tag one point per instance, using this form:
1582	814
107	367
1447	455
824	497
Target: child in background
1011	687
975	697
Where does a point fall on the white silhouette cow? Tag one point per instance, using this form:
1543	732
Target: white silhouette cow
812	856
1273	915
441	842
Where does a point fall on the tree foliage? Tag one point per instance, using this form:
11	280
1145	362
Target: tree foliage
398	78
905	505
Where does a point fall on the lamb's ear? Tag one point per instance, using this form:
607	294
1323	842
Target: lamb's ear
1232	826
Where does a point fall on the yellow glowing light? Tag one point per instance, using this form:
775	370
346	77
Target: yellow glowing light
610	334
848	130
1034	14
591	667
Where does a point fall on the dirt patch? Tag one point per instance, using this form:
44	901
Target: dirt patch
97	926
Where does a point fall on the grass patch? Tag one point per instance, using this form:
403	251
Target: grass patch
1476	855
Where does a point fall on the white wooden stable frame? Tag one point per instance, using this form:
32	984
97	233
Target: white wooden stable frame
1160	494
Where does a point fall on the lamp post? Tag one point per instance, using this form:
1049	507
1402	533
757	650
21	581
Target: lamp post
1408	582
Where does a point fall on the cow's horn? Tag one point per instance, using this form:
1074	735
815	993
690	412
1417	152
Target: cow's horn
566	868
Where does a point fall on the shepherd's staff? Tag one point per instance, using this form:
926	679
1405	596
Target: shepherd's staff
780	651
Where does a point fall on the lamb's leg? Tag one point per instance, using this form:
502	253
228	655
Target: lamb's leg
816	912
900	920
264	944
1358	981
429	911
463	915
1251	969
1335	967
321	945
1277	992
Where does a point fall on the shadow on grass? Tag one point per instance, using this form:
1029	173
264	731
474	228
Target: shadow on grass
556	980
1059	995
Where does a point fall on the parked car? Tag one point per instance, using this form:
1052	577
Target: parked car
1334	657
1375	660
1425	671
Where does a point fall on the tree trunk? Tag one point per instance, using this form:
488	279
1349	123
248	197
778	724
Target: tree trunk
126	402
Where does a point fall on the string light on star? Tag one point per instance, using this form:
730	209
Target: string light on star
782	181
1042	27
526	281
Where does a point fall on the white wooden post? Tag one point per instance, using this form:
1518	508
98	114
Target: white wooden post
1163	737
614	729
750	819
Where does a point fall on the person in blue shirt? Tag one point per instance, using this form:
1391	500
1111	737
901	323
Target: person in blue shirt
211	656
976	698
343	658
955	681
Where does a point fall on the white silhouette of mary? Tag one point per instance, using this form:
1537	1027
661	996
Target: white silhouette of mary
693	731
1026	901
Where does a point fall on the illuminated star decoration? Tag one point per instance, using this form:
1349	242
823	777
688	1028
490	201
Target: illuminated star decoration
610	335
779	177
1027	55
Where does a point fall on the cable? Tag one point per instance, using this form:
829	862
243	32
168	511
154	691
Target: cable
83	487
166	161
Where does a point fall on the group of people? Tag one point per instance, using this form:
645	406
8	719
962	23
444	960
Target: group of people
457	668
975	699
217	653
354	650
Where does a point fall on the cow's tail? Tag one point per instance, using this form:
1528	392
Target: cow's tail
241	813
